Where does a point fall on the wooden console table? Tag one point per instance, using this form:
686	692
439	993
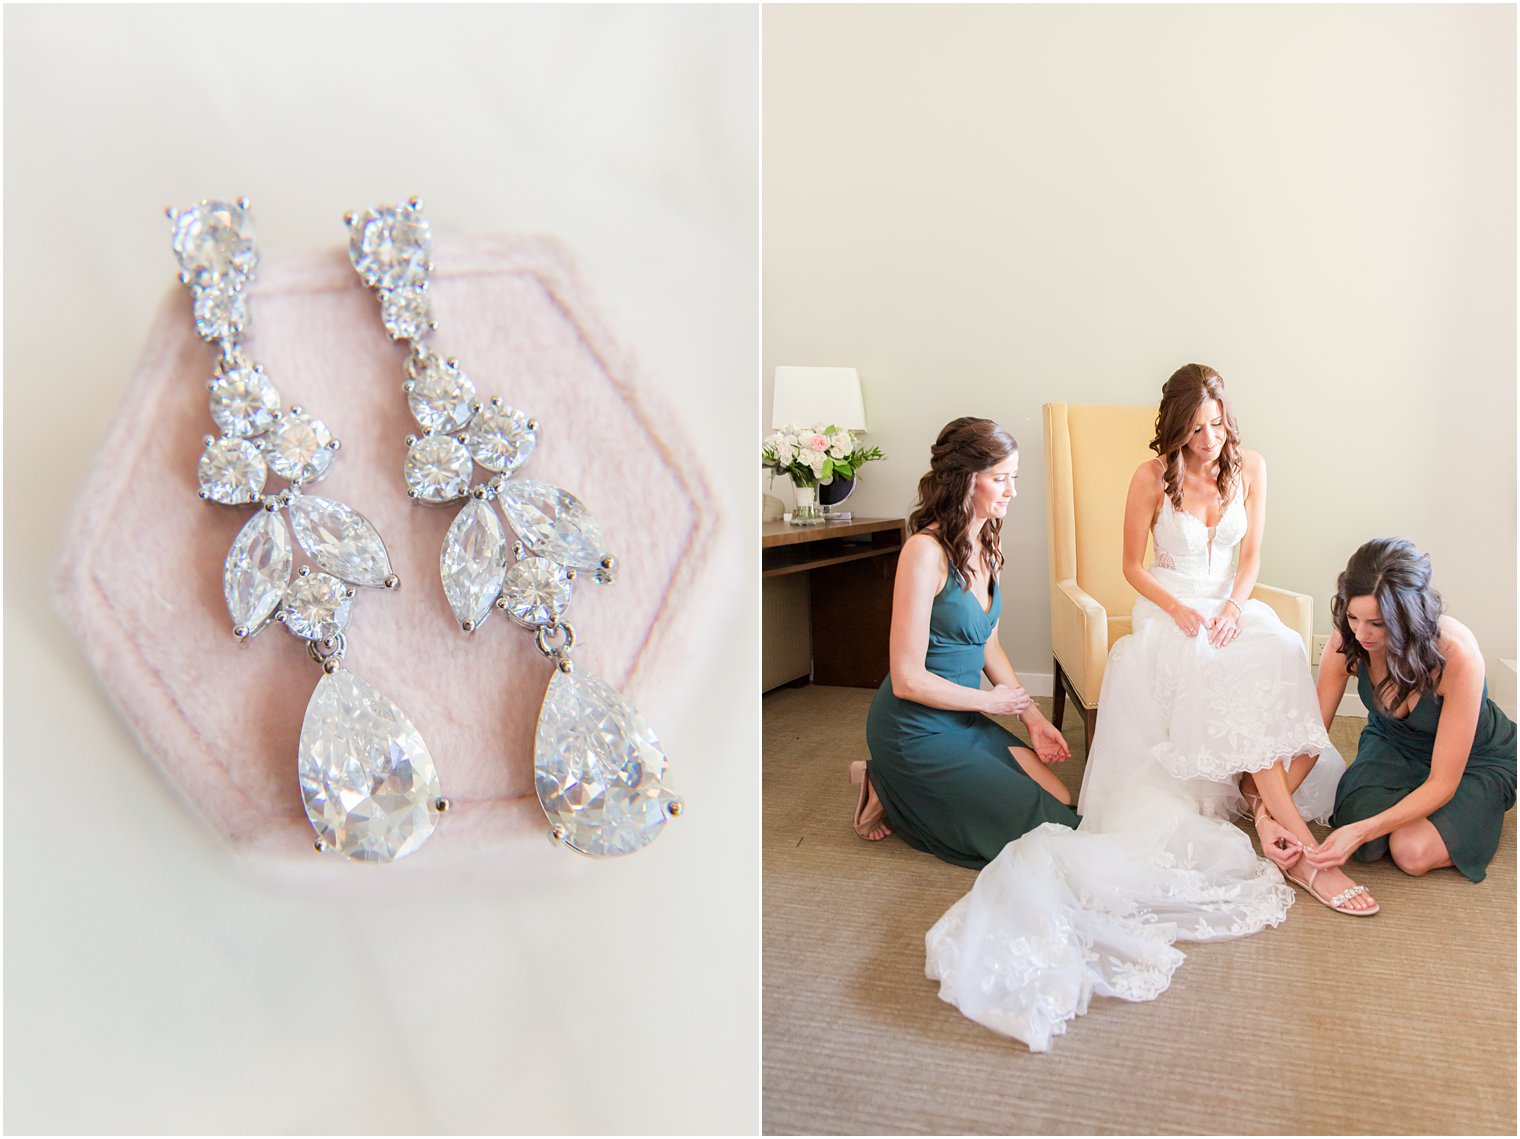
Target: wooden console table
848	568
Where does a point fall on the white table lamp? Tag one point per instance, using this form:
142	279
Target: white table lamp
805	396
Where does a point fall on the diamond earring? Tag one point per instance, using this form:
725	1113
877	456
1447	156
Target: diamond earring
598	768
368	782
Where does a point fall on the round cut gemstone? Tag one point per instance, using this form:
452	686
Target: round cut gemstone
300	447
407	312
438	469
390	246
442	397
317	605
537	592
231	471
368	781
214	241
243	401
500	439
598	768
220	312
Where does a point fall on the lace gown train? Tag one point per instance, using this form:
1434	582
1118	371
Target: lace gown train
1061	915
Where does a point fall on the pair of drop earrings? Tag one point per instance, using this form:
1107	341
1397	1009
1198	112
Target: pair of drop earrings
368	782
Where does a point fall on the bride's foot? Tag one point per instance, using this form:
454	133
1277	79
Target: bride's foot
870	819
1335	889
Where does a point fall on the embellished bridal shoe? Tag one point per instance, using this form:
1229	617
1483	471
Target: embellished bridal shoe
870	819
1337	903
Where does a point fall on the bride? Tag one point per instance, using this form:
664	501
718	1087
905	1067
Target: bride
1208	709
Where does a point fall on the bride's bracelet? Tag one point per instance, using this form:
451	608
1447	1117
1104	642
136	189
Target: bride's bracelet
1232	601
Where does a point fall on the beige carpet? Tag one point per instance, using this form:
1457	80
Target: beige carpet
1398	1024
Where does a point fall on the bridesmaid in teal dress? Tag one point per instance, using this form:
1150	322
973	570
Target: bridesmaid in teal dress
944	776
1435	769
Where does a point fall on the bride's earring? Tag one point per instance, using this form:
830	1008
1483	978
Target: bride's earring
599	770
367	780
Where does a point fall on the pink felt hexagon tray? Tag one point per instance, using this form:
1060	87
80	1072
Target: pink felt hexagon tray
141	563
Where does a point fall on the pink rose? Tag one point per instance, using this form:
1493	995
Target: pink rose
819	442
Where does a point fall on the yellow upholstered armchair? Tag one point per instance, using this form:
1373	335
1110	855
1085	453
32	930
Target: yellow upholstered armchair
1091	451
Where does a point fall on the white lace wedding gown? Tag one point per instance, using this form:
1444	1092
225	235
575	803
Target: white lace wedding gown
1061	915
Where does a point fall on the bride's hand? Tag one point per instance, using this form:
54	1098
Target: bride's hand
1223	629
1005	700
1189	620
1048	742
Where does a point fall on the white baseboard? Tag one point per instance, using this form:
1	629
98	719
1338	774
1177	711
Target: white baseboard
1044	684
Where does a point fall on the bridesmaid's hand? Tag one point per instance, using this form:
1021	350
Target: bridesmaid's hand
1339	845
1048	742
1005	700
1189	620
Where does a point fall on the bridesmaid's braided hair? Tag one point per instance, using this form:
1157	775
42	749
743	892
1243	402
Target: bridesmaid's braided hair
1396	575
965	448
1181	397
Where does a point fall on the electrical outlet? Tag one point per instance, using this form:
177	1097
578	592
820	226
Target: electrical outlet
1319	646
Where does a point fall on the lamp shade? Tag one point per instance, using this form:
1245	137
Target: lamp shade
805	396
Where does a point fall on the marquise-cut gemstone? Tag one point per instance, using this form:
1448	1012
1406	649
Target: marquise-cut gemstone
367	779
317	606
214	242
473	562
257	570
500	439
442	397
340	540
438	469
407	312
598	768
300	447
552	523
536	592
231	471
243	401
390	246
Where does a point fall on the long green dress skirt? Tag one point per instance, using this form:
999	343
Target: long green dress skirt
1393	758
945	779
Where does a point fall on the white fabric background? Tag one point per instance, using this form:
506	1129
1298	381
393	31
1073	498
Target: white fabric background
149	985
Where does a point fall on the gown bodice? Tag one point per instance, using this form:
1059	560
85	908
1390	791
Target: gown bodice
958	630
1195	558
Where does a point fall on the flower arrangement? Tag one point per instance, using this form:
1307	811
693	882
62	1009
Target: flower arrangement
818	454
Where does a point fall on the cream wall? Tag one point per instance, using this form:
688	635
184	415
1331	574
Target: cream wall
987	208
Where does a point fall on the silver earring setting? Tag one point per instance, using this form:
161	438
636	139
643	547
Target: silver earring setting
368	782
598	768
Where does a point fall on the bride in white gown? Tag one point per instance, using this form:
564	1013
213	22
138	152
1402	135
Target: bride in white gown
1208	693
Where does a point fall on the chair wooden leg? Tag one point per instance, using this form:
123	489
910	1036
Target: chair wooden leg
1058	697
1089	722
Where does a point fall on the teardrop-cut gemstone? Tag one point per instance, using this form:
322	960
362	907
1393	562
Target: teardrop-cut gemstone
536	592
552	523
438	469
257	571
340	540
500	439
231	471
317	606
367	779
473	563
598	768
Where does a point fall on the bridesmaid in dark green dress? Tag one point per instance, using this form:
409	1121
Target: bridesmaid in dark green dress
1435	768
949	780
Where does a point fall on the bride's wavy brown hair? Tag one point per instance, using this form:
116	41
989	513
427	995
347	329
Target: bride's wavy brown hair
1396	575
1181	397
964	449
